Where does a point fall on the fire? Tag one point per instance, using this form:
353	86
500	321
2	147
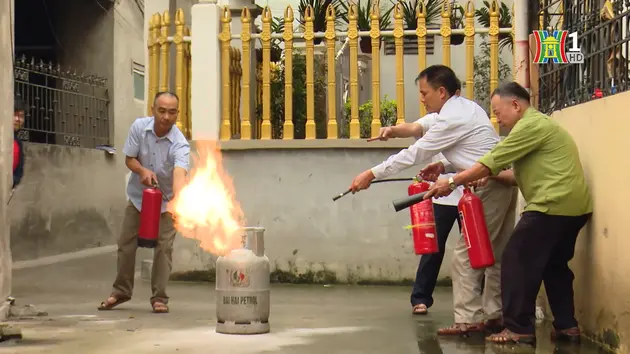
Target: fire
205	208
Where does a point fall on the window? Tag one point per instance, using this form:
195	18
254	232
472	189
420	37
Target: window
138	81
410	45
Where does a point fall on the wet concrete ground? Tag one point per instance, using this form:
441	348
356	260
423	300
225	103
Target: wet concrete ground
304	319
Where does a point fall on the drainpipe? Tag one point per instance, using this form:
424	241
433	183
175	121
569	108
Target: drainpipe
521	42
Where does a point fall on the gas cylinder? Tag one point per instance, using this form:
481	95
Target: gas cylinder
242	287
422	221
475	230
150	217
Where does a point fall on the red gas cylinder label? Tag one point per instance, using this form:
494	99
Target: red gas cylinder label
464	232
423	213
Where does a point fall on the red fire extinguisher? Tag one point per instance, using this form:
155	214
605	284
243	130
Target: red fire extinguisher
423	221
475	230
150	217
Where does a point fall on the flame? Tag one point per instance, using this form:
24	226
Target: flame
205	209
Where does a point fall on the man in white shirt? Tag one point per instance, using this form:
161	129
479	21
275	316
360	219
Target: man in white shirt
445	213
462	132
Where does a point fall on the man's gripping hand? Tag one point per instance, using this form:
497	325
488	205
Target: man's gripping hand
432	171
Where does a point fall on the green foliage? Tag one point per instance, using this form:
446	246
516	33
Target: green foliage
505	21
388	117
432	9
363	14
481	75
298	88
457	16
319	12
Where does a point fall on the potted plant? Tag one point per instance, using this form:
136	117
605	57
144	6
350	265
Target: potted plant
410	8
277	26
432	10
505	21
319	14
457	22
364	21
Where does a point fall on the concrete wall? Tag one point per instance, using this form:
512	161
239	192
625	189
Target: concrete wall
6	146
128	47
71	198
289	192
601	262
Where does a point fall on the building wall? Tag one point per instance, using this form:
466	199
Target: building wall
6	146
289	192
84	30
72	198
600	264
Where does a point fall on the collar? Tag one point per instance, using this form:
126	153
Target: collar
529	112
450	100
151	127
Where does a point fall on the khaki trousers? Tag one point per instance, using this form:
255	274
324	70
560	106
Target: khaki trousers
162	255
470	301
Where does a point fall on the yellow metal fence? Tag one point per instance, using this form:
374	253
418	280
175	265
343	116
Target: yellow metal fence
159	45
236	75
330	36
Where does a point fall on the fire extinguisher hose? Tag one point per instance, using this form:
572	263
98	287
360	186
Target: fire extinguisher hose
404	203
335	198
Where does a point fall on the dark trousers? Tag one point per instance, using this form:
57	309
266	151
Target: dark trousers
539	251
429	267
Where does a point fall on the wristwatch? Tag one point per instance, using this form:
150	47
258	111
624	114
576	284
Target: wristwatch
451	184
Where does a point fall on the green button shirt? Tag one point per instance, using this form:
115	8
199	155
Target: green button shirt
546	165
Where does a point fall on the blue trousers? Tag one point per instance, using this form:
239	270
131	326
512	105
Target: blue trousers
429	267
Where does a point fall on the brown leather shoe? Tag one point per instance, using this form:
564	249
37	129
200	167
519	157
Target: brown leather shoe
572	335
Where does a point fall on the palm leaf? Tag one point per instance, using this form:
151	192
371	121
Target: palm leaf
505	21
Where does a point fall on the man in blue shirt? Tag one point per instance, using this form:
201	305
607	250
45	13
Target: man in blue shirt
156	151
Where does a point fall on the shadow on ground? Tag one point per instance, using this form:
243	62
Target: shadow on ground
304	319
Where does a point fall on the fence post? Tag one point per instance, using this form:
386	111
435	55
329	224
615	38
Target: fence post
206	63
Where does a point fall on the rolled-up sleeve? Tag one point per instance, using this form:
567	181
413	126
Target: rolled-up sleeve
181	152
441	136
132	144
525	137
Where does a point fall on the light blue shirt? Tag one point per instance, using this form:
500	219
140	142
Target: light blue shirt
160	155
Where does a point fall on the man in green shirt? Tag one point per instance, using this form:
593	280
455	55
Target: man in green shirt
547	169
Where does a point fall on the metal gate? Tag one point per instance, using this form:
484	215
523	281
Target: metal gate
64	108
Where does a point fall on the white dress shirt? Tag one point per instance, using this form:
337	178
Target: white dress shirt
453	198
462	132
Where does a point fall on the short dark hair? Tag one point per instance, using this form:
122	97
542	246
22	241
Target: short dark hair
163	93
511	89
19	105
441	75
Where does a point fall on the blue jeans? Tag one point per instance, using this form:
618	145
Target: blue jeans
429	267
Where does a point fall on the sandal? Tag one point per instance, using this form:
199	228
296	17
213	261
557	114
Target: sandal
494	326
461	329
113	301
508	337
572	335
159	307
420	309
